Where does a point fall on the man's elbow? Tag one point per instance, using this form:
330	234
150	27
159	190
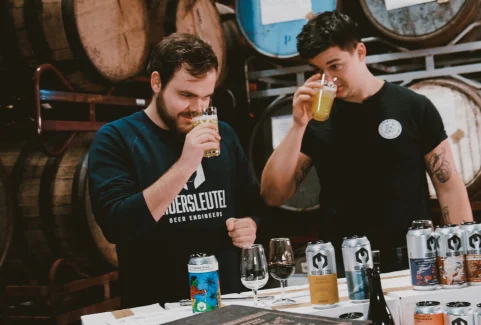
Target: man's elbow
273	197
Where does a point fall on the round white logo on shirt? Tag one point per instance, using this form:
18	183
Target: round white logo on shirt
390	129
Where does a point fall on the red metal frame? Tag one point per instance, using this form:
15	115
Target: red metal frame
74	97
53	290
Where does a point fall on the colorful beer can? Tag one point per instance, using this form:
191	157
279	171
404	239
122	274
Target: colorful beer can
422	257
477	315
357	257
428	313
472	244
322	274
451	259
204	282
459	313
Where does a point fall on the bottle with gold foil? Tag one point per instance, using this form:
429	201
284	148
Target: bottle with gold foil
322	274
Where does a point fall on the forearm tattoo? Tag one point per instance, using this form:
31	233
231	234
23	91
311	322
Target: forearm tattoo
446	218
440	167
302	172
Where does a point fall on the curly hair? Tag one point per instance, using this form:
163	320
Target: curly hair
181	51
326	30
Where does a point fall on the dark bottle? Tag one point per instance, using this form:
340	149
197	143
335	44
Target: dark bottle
379	313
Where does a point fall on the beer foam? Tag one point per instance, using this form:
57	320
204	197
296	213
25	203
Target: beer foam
205	118
332	89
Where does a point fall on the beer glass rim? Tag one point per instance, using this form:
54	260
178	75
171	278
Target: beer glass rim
253	246
280	239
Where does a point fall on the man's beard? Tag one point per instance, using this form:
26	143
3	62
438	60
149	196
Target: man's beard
169	120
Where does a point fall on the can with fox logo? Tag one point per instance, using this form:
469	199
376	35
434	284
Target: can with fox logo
357	257
451	259
459	313
322	274
422	257
204	282
472	244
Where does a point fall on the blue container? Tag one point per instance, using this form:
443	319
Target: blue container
278	40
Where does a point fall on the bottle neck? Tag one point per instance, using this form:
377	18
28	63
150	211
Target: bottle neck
376	293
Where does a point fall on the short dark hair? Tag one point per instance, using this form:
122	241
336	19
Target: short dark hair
326	30
181	51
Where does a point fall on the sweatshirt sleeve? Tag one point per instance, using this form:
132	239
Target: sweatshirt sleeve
249	202
116	198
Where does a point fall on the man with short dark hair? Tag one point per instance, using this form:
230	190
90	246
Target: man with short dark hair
373	152
156	197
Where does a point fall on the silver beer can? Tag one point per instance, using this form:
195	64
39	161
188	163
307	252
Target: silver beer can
428	313
472	244
354	315
458	313
421	246
322	274
477	315
451	259
357	257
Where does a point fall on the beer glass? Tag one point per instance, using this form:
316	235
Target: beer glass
254	273
323	100
281	265
207	115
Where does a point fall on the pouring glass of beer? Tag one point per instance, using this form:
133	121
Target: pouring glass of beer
207	115
324	98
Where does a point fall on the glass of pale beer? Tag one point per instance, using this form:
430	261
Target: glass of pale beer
207	115
323	100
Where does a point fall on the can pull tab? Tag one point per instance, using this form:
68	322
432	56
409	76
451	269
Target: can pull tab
198	254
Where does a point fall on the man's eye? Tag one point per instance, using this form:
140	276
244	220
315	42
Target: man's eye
187	95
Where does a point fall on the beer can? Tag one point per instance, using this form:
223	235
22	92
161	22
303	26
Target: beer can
354	315
458	313
357	257
428	313
450	251
472	244
422	258
322	274
477	315
204	282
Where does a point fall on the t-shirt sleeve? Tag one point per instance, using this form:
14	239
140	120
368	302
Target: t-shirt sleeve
307	140
116	198
431	128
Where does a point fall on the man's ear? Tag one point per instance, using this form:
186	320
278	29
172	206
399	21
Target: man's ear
361	51
155	82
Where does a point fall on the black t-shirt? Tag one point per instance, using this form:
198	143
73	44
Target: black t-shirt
128	156
370	161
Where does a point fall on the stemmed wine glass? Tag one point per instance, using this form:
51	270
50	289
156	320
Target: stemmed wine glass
254	273
281	265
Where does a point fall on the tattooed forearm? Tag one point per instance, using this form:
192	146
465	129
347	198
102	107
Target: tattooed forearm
440	167
446	218
302	172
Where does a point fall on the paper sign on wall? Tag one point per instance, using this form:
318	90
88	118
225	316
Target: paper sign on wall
396	4
279	11
280	126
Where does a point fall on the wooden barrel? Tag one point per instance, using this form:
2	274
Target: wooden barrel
426	24
198	17
269	130
271	27
94	43
460	109
54	215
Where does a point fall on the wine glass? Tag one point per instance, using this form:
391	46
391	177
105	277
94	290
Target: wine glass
281	265
254	273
